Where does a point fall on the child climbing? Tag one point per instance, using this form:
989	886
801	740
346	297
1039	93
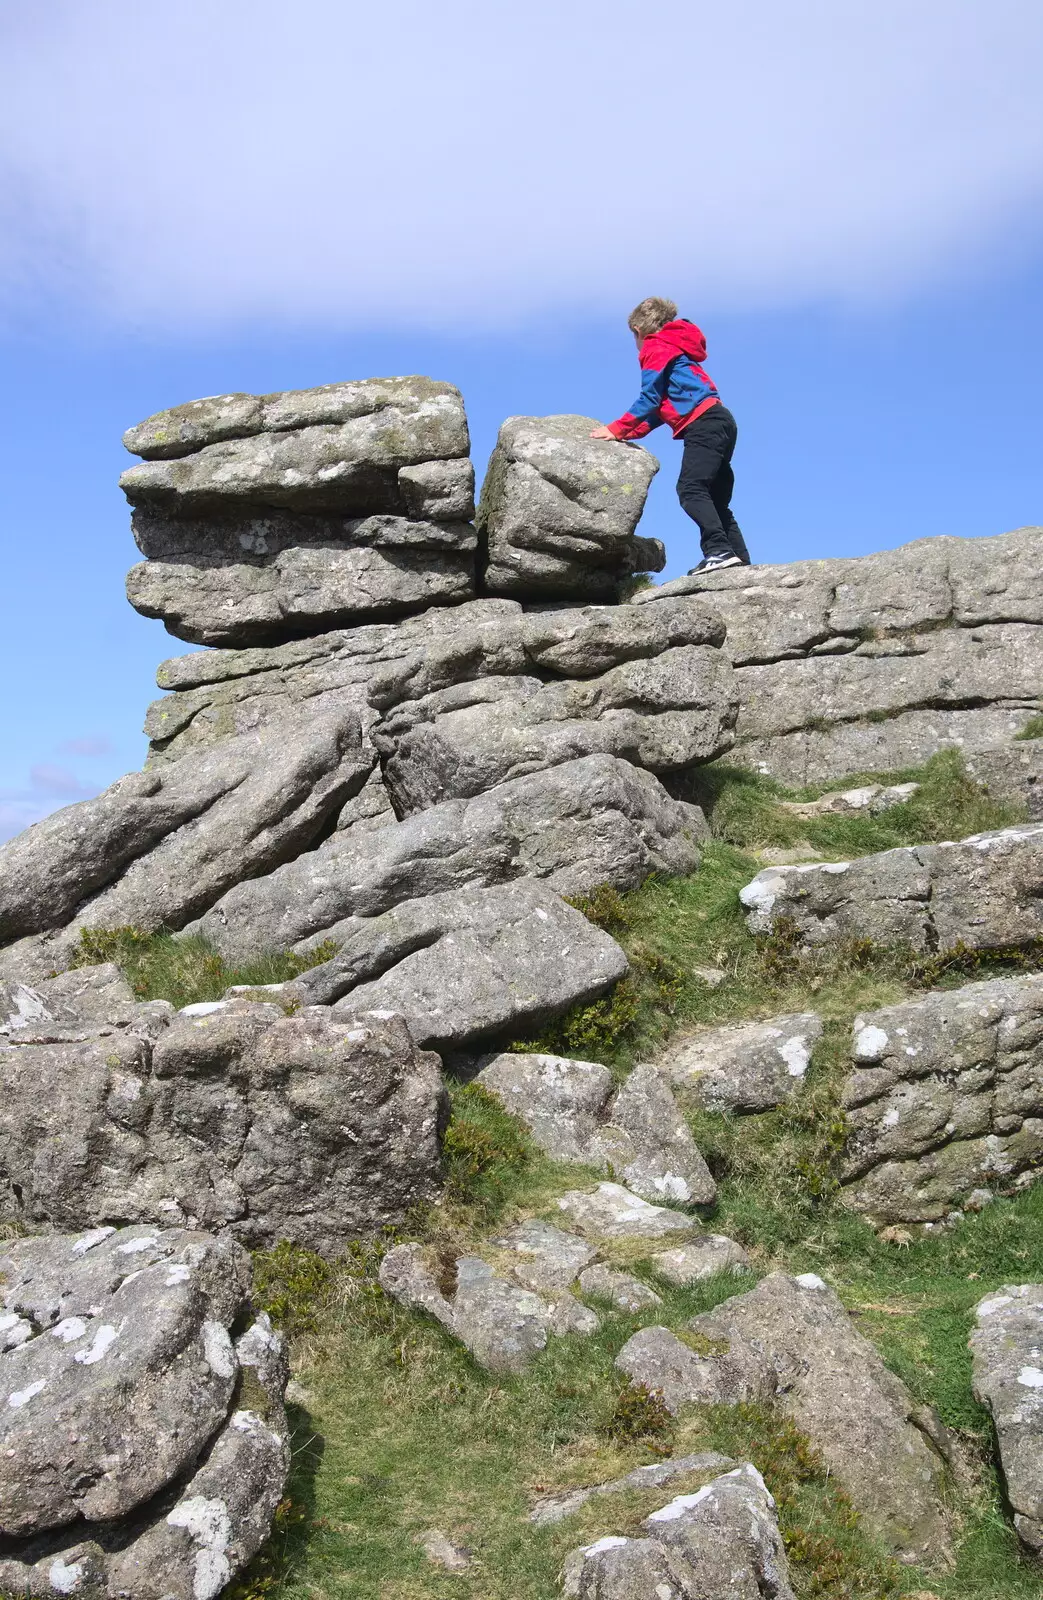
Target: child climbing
675	389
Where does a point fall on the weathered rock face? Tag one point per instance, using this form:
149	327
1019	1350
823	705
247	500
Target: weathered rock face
159	847
790	1341
945	1100
1012	772
876	662
1006	1346
267	516
750	1066
721	1543
559	509
572	1113
145	1446
586	822
986	891
469	966
311	1127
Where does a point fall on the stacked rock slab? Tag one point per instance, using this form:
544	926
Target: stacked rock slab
266	516
874	663
142	1427
558	511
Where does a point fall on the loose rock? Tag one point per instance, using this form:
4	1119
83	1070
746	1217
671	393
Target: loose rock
710	1253
749	1066
612	1212
1007	1350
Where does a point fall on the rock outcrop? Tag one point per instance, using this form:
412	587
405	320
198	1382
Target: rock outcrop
749	1066
873	663
1007	1352
985	892
573	1114
144	1439
266	516
558	511
314	1127
790	1342
944	1104
720	1543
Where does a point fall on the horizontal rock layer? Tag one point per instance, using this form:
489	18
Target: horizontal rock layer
873	663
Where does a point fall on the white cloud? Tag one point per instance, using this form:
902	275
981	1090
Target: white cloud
342	162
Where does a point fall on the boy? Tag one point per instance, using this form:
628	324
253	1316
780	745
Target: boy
675	389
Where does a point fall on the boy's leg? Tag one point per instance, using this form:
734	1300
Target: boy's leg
721	490
703	458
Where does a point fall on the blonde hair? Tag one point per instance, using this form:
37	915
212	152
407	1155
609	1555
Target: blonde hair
651	315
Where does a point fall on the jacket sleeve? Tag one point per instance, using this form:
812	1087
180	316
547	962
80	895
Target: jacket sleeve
644	415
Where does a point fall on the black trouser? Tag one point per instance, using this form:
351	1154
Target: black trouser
707	480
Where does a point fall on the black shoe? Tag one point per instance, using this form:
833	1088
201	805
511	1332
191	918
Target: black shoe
716	564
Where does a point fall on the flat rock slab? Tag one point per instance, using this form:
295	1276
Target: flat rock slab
701	1258
1007	1350
985	892
750	1066
159	847
722	1542
118	1368
790	1341
309	1127
558	510
574	1115
502	1323
544	1258
552	1508
587	822
944	1100
466	967
873	663
612	1212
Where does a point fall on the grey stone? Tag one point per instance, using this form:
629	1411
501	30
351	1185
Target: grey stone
710	1253
1012	773
552	1508
790	1341
945	1097
220	692
543	1258
125	1372
558	510
337	449
662	713
626	1292
876	662
612	1212
441	1551
584	823
1006	1346
159	847
301	589
313	1127
871	798
370	809
747	1066
557	1098
470	966
720	1543
439	491
637	1133
501	1322
97	993
985	892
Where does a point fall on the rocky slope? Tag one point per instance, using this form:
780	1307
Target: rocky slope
417	729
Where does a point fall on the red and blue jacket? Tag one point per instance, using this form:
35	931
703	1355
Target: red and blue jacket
674	387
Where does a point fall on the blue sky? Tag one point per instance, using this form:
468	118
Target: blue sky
257	197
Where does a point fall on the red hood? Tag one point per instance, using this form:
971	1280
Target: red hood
684	336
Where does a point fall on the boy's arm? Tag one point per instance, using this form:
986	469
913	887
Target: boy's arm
643	415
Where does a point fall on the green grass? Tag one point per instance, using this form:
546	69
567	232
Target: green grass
1033	729
185	969
402	1431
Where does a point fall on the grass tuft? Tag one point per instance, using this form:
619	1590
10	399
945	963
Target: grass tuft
186	969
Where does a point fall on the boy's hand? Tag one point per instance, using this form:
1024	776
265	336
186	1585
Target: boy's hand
601	432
